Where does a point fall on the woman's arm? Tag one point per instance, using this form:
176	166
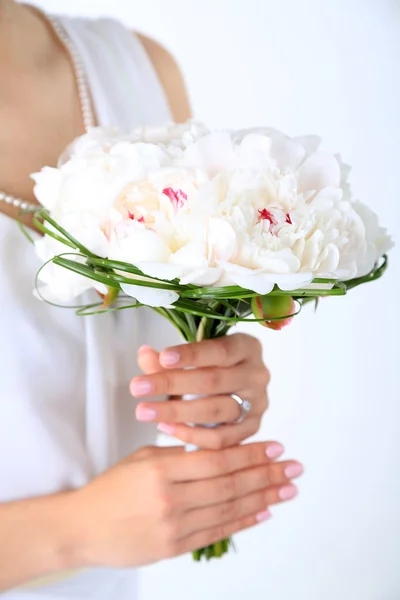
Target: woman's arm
170	77
155	504
35	538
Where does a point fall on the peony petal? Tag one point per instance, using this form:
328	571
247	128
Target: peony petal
94	240
61	285
138	245
267	132
164	271
326	199
212	153
310	143
256	142
377	238
320	170
47	186
261	282
91	143
280	262
150	296
191	255
250	279
257	283
221	239
287	152
205	277
264	283
330	258
294	281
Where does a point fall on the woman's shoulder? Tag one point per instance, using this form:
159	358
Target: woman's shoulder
170	76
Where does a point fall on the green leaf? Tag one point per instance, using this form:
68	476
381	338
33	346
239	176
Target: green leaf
375	273
25	231
40	227
109	278
84	270
43	214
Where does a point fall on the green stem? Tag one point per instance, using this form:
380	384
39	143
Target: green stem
177	321
201	329
191	321
205	331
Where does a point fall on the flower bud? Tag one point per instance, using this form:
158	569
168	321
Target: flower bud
273	307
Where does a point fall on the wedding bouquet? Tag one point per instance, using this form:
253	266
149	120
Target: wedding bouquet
207	228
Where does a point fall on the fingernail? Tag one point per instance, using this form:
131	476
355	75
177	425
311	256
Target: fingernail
263	516
144	348
293	470
145	414
274	450
171	357
164	428
141	387
287	492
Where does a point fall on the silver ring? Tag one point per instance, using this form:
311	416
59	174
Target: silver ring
245	407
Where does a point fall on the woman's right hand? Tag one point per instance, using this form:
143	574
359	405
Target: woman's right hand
162	502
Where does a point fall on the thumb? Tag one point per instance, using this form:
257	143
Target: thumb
148	360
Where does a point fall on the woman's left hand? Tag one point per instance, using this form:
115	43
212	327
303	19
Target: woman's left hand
212	368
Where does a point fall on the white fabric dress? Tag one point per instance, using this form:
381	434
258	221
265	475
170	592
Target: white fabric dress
65	409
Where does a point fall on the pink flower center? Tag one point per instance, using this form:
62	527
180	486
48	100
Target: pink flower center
132	217
267	215
177	198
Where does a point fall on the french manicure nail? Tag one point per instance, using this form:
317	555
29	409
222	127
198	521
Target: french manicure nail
293	470
164	428
287	492
141	387
145	414
171	357
274	450
263	516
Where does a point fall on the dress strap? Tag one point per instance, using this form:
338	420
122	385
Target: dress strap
124	85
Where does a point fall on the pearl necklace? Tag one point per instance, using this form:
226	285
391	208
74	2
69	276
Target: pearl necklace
83	91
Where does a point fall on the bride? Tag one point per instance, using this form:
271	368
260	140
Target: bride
83	499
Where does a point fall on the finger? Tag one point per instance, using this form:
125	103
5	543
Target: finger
236	485
204	464
224	351
212	409
150	452
204	382
234	510
223	436
202	539
148	360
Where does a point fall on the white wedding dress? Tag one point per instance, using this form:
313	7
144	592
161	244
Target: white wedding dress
65	410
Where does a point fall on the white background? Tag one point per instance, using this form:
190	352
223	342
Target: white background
330	68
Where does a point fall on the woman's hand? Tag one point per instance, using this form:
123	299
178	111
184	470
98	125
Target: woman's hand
162	502
223	366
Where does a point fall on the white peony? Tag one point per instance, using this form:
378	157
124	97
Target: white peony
377	240
253	208
60	285
159	225
179	135
282	218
